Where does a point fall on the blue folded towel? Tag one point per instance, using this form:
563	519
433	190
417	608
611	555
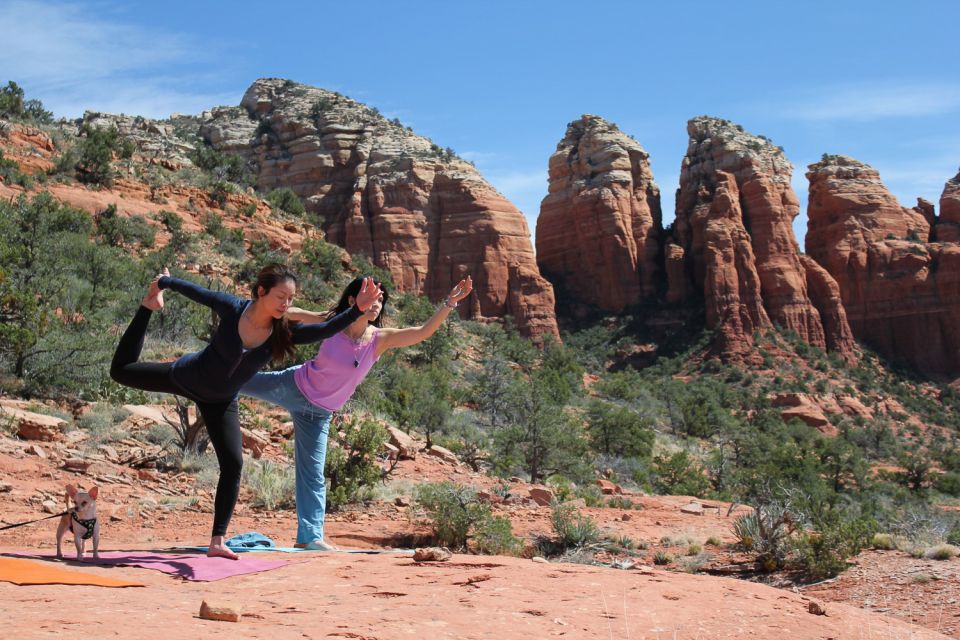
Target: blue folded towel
249	541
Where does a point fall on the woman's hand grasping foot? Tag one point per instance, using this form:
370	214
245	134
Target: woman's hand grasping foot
369	293
154	298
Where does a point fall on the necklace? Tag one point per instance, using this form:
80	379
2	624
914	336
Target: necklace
357	343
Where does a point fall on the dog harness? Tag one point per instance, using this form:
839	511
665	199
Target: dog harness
87	524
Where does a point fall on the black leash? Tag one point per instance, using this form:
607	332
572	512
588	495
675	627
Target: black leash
20	524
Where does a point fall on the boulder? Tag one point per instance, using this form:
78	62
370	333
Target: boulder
442	453
404	443
35	426
542	496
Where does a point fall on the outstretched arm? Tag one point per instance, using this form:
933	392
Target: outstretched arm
296	314
305	333
219	301
315	332
393	338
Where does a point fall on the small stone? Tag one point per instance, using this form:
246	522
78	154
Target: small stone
146	474
608	488
109	452
402	501
226	612
434	554
542	496
5	487
625	517
36	450
49	506
77	464
489	498
539	559
514	479
816	608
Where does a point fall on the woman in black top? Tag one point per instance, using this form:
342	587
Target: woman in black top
250	333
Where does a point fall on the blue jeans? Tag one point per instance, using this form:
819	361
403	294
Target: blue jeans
311	425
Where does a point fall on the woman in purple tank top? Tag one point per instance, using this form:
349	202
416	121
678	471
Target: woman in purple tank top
313	391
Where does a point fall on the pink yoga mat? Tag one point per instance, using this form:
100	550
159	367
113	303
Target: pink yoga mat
190	566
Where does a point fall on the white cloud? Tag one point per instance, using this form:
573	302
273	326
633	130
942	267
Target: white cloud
864	102
74	59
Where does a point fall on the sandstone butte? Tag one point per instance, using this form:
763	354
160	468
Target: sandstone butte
600	236
416	210
735	188
898	268
599	227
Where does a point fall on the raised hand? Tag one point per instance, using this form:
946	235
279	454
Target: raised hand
460	291
369	293
154	298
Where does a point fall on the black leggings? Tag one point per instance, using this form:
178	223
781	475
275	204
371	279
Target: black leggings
221	418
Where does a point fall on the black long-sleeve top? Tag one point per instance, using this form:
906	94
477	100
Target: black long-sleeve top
216	373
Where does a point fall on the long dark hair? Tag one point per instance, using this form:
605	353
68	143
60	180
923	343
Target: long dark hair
353	290
281	340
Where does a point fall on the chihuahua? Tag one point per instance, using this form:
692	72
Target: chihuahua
80	520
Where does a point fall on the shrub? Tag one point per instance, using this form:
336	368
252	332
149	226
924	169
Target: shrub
455	513
495	536
941	552
285	199
694	549
766	531
616	430
272	485
713	541
679	474
883	541
572	528
590	494
351	468
96	153
661	558
620	502
949	483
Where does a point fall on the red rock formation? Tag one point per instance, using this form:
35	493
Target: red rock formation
825	294
678	285
948	225
719	152
731	285
599	226
902	295
414	209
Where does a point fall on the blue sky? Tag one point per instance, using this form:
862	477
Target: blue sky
499	81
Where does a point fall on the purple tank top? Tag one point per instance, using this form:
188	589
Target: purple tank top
337	370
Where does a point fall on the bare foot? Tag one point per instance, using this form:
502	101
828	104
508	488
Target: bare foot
221	551
319	545
154	298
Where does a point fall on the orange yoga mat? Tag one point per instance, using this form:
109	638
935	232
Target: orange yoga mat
20	571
